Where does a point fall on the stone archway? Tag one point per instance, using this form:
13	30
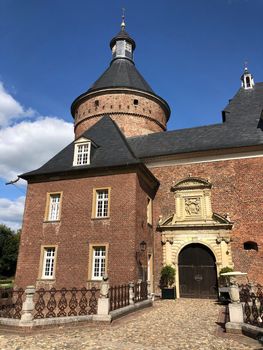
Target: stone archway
197	272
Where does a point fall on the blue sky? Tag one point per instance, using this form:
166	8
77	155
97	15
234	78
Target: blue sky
191	52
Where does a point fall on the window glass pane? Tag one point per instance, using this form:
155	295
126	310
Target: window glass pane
99	262
54	206
83	154
48	262
102	203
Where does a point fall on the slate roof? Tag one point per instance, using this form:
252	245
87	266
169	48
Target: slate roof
242	127
122	35
111	150
245	107
121	73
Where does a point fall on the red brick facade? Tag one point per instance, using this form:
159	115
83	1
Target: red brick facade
237	190
135	113
123	231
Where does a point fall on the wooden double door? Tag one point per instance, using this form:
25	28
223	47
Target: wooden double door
197	272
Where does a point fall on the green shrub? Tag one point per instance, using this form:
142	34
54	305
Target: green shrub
167	276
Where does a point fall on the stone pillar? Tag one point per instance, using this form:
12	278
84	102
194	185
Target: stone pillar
131	293
236	313
149	289
104	300
28	307
235	307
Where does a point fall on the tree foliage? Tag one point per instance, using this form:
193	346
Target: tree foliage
9	243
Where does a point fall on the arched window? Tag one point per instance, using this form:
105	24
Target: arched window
251	246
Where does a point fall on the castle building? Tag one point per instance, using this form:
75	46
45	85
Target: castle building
127	197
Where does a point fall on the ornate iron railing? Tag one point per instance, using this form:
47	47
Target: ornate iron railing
119	296
252	299
65	302
11	302
140	291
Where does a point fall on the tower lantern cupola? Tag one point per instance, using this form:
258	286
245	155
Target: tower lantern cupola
247	81
122	45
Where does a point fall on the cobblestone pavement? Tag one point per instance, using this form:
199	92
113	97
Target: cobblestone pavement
180	325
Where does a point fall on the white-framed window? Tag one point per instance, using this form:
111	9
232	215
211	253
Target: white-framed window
82	152
98	262
54	204
102	203
48	262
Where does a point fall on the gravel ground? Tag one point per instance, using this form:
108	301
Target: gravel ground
181	324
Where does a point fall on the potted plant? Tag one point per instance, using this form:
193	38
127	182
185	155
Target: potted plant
224	284
167	282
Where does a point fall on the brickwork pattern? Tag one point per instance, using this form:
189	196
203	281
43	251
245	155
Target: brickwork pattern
237	190
133	119
77	230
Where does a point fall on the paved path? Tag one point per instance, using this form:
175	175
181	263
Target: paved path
182	324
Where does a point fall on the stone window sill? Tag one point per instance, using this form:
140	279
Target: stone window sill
51	221
46	280
101	218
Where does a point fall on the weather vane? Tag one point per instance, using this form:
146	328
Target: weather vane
123	19
246	65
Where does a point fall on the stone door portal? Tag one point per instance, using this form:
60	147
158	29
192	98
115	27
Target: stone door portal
197	272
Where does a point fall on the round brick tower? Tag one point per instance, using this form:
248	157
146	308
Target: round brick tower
123	94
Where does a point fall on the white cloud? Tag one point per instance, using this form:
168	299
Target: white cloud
25	145
11	212
11	109
29	144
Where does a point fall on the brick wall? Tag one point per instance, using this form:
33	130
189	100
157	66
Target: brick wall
133	119
76	230
237	190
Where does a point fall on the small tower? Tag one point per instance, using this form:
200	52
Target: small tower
247	81
122	93
122	45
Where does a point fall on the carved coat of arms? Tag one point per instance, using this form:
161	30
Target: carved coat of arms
192	206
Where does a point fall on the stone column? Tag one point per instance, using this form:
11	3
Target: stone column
235	307
104	300
28	307
131	293
149	289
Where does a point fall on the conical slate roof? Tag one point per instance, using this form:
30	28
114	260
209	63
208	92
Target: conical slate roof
121	73
122	35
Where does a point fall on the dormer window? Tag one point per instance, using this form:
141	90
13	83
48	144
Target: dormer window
82	152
